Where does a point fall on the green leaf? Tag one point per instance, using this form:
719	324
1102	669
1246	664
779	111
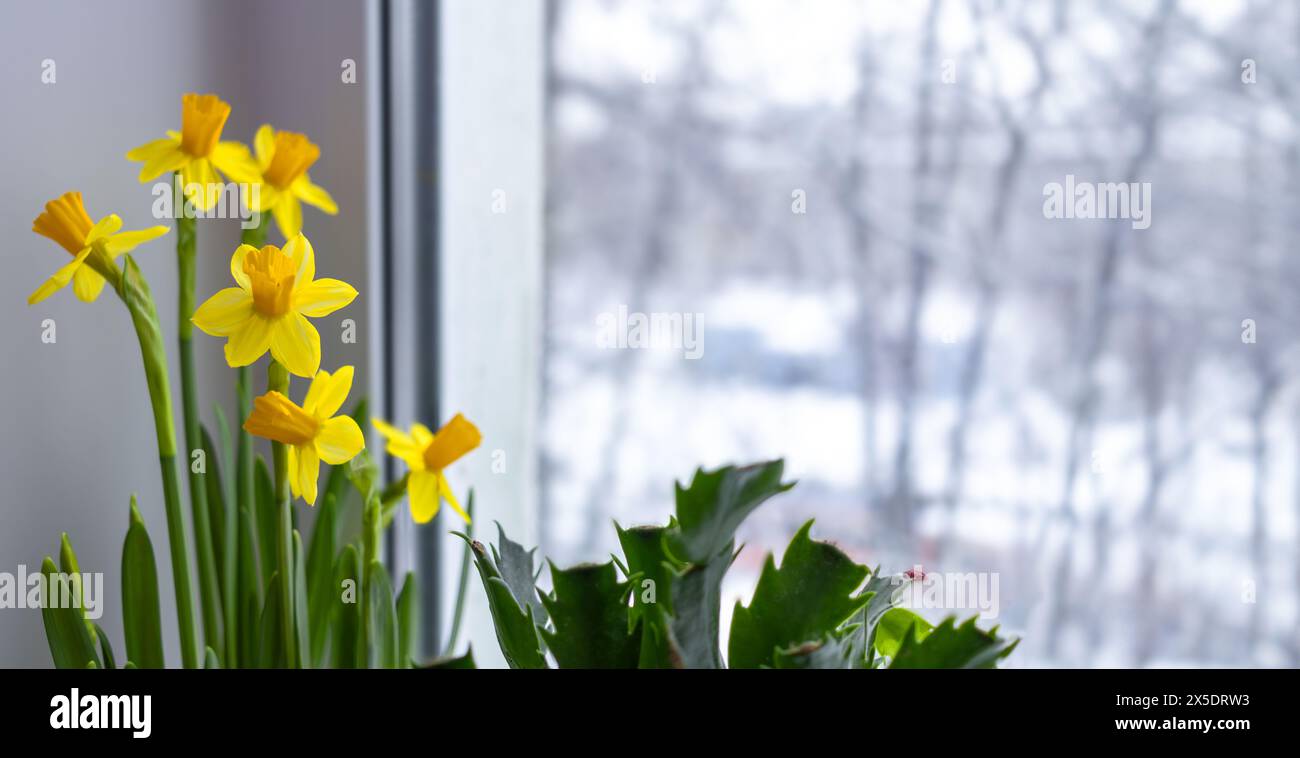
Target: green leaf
270	647
210	660
516	631
803	601
465	661
589	608
516	567
320	573
383	618
250	591
697	608
715	504
300	618
227	450
105	647
830	652
345	616
643	547
952	647
71	645
265	516
337	482
216	503
408	620
363	473
141	616
893	628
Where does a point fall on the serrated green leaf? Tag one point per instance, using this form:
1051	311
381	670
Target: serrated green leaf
697	608
141	614
643	547
950	646
516	567
805	600
345	616
830	652
894	626
516	631
465	661
589	608
408	621
715	504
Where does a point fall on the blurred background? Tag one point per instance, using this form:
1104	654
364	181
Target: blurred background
847	194
1104	416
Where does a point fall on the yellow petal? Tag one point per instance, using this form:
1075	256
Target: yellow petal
225	313
456	438
237	267
314	194
288	214
200	183
421	434
294	489
300	251
105	227
125	242
322	297
444	491
422	489
327	392
60	278
296	344
248	342
264	144
308	473
162	156
401	445
87	284
236	162
339	440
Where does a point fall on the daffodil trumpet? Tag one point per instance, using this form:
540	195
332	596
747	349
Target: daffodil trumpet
426	455
95	249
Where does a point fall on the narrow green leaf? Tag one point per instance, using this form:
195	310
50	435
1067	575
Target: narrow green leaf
216	503
210	660
516	567
589	608
250	591
408	621
803	601
71	645
265	517
345	616
383	618
105	648
141	614
320	575
300	617
271	641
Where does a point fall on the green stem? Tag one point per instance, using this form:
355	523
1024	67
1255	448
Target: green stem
209	589
277	380
134	291
254	236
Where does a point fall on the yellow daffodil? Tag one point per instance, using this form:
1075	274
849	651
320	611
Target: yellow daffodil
197	152
427	454
268	310
311	431
284	158
65	221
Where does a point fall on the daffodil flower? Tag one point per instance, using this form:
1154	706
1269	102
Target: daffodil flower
284	158
311	432
427	454
268	310
197	152
65	221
